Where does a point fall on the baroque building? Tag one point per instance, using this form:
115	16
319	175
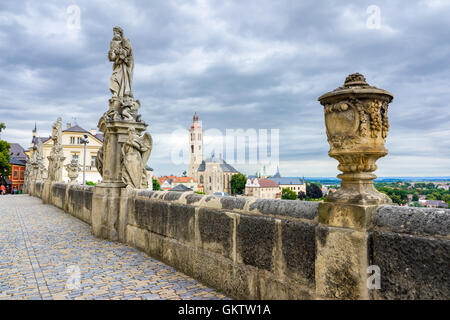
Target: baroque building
214	174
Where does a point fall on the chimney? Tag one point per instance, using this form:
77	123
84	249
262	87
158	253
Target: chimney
93	132
68	125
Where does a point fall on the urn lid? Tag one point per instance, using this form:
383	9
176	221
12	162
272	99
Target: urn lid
355	85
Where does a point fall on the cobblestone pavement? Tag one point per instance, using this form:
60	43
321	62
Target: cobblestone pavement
43	249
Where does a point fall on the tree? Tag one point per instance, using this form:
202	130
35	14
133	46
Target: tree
5	167
313	191
2	126
184	174
415	197
301	195
238	182
156	185
288	194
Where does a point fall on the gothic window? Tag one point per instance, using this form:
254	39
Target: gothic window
210	181
201	179
192	149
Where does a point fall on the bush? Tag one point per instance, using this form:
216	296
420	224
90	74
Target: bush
288	194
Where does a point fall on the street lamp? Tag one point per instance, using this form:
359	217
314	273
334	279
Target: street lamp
85	142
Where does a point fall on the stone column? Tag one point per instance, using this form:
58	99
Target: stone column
107	196
357	124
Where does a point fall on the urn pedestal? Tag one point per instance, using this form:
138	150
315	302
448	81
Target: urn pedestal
356	124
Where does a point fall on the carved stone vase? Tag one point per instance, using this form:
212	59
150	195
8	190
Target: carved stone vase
356	120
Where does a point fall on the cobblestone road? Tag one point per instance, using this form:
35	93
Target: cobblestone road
43	249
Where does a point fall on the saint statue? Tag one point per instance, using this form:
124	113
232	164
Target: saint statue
135	153
121	54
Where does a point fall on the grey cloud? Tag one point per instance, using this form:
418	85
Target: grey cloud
253	64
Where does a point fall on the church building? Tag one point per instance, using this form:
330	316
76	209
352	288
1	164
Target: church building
214	174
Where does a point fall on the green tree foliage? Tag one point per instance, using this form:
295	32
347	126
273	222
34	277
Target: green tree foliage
415	197
415	204
184	174
313	191
238	182
156	185
2	126
5	167
288	194
301	195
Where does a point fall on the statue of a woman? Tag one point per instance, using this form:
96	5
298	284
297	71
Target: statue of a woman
121	54
135	153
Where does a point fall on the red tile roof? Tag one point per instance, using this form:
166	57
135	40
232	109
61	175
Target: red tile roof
184	180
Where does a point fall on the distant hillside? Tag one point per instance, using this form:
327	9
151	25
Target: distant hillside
333	180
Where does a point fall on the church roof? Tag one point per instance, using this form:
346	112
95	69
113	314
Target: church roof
223	164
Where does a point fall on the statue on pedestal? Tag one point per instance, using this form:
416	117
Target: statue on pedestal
56	158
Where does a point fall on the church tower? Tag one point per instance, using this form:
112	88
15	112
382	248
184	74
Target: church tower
195	146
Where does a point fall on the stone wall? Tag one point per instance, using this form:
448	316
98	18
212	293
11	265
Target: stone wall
412	248
280	249
72	198
247	248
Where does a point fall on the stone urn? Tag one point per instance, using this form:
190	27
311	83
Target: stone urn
73	169
356	120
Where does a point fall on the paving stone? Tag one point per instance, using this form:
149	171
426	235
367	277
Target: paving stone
43	248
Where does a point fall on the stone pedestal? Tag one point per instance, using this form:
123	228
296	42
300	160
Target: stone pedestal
356	121
46	191
107	194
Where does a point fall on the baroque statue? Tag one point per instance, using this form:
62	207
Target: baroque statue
56	158
135	153
122	106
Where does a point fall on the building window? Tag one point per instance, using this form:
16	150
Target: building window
22	174
93	158
210	181
15	174
201	179
75	157
79	140
72	140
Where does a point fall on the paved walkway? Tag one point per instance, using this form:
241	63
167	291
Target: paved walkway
48	254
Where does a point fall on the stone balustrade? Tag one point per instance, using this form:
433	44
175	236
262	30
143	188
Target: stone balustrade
272	249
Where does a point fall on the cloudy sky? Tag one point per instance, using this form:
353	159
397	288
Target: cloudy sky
238	64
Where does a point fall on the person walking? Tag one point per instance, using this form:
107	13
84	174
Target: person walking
2	189
15	190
